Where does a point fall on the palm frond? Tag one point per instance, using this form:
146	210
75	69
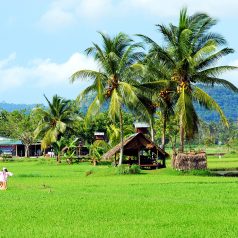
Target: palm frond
207	61
86	74
93	109
211	81
115	105
208	102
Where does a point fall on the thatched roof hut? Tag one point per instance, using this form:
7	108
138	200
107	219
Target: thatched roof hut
189	161
134	144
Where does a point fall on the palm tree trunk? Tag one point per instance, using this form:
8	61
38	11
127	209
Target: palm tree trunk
181	148
122	137
163	133
58	158
152	128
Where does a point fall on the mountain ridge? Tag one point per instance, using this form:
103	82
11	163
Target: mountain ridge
226	99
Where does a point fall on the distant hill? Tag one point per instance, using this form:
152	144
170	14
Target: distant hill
227	100
11	106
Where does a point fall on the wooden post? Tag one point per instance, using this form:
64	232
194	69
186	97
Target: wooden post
139	157
16	150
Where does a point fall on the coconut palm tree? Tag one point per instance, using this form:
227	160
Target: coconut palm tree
157	89
55	120
112	81
189	53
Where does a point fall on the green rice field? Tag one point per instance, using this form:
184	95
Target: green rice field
49	200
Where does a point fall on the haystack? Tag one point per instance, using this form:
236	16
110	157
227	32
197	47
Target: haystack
189	161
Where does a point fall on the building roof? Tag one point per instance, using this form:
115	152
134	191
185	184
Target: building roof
141	125
133	144
9	141
99	133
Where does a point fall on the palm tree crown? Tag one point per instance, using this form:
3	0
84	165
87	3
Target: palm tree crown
58	117
112	82
189	54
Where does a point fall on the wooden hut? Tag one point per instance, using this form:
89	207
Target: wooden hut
139	150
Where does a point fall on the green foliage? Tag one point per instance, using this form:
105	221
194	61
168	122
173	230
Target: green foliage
59	116
70	149
126	169
189	53
97	149
16	123
123	169
86	131
7	157
134	169
196	172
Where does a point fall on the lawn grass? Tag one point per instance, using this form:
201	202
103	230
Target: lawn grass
49	200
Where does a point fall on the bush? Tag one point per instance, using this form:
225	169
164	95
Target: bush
7	157
125	169
134	169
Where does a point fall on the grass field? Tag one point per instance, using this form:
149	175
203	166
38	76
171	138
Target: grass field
49	200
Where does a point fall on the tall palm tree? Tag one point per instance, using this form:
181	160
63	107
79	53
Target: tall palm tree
157	90
54	120
189	53
112	81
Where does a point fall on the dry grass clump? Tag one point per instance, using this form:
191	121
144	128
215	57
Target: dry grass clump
189	161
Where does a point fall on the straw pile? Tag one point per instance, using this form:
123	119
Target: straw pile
189	161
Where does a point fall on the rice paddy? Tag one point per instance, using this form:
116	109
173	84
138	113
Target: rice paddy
49	200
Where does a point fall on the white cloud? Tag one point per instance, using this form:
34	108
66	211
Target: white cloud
64	13
40	75
171	8
9	59
92	9
56	18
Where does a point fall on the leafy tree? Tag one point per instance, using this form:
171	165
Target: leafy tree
27	139
18	125
70	149
58	146
97	149
112	81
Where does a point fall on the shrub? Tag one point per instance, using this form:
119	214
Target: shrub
7	157
134	169
123	169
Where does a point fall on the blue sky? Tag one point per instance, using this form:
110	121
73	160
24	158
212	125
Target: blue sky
43	41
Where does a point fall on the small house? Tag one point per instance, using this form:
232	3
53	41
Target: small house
14	147
140	150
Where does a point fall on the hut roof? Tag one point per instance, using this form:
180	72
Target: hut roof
133	144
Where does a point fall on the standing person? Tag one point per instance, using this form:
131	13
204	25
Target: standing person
3	178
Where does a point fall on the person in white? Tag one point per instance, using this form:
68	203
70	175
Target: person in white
4	174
